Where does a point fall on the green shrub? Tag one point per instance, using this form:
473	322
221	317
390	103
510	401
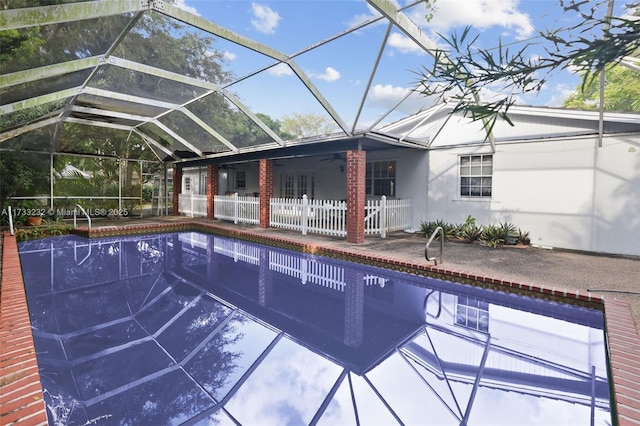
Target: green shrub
492	236
509	233
469	231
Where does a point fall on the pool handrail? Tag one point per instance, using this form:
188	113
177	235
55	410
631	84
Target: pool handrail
426	247
83	212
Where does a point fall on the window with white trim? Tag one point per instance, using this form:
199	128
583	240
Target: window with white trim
187	183
381	178
241	180
472	313
476	175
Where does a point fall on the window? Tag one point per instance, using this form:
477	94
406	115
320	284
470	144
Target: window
187	183
381	178
472	313
241	180
295	185
476	173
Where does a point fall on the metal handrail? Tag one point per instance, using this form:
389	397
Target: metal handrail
426	247
10	220
83	212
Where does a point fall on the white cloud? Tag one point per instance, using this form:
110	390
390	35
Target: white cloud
481	14
330	74
264	18
182	4
404	44
362	17
388	92
387	96
280	70
560	94
229	56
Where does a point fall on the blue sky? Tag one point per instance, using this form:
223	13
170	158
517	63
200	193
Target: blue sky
342	68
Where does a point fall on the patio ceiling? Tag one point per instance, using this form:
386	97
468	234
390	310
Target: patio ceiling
80	83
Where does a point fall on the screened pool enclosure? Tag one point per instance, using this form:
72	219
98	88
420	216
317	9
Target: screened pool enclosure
99	98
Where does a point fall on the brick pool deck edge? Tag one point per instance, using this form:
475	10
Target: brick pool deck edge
21	398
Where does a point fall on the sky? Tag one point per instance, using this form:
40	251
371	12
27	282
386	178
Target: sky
341	69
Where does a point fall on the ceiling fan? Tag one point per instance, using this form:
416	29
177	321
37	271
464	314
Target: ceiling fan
336	156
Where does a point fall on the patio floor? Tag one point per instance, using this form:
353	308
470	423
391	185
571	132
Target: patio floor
609	281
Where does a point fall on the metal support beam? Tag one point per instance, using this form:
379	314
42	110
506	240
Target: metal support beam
130	98
242	107
209	130
411	30
319	97
179	138
28	128
12	19
371	76
154	143
201	23
35	74
39	100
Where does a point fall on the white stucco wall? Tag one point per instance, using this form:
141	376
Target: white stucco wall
412	166
567	193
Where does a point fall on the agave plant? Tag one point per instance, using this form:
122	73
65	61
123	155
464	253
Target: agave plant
509	233
469	231
523	237
492	236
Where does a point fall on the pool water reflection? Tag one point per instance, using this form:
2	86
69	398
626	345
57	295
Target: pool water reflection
189	328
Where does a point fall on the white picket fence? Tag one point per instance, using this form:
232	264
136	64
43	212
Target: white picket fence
236	208
308	271
382	216
192	205
326	217
329	217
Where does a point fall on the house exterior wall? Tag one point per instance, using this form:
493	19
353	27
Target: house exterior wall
412	167
568	193
198	179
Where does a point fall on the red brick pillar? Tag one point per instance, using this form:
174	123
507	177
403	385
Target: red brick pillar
353	307
265	280
356	168
266	191
213	186
177	188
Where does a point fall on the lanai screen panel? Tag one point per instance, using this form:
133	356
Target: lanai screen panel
43	86
193	85
119	105
64	42
220	114
192	132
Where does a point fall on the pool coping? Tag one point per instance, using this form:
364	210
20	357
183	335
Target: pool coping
24	401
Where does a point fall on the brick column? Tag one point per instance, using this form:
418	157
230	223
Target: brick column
213	187
177	188
356	168
353	307
265	280
266	191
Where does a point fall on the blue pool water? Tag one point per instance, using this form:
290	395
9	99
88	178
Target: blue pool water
188	328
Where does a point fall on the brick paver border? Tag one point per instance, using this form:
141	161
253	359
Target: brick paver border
21	398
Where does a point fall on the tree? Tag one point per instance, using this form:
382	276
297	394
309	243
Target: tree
306	125
621	92
460	72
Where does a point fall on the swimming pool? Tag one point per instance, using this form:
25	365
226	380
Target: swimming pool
200	329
